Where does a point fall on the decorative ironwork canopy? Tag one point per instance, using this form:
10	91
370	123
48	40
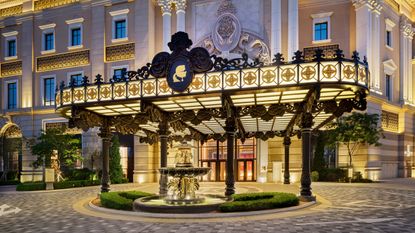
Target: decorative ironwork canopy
264	100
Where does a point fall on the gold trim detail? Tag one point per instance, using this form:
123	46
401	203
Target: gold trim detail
288	74
43	4
11	68
349	72
10	11
390	121
120	52
197	83
62	61
329	71
214	81
308	73
269	76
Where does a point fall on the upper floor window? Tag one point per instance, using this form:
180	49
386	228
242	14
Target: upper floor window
12	95
119	25
11	48
49	41
389	33
75	36
77	79
118	73
388	88
75	33
48	91
10	45
120	29
48	38
321	27
320	31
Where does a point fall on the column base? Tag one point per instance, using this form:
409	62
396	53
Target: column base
307	198
229	191
287	181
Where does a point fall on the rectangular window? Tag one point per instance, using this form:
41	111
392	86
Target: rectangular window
120	29
49	41
321	31
11	95
389	38
388	87
76	79
11	48
118	74
49	91
75	36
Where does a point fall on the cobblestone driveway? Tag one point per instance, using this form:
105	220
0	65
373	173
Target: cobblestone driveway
384	207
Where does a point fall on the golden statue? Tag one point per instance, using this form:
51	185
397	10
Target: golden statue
180	73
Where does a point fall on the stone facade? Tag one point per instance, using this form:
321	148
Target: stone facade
226	28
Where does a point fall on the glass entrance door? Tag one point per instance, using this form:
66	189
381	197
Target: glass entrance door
213	155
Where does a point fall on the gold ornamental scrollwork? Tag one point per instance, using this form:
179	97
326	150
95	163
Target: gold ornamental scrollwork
197	83
349	72
250	78
362	74
134	89
269	76
9	11
79	95
11	68
214	81
92	94
62	61
329	71
231	79
120	52
288	74
43	4
149	88
105	92
308	72
119	91
164	87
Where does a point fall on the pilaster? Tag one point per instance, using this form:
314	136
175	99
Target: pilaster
166	7
181	15
293	39
276	27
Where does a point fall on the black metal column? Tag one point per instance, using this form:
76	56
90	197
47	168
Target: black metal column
106	136
230	139
287	143
306	124
163	134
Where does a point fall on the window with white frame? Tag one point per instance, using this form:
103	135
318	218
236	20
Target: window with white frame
76	78
389	68
10	45
119	25
389	33
75	33
118	72
48	94
321	27
12	94
48	38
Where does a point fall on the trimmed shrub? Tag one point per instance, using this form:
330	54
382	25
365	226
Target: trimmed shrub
121	200
75	183
314	176
9	182
32	186
79	174
332	175
259	201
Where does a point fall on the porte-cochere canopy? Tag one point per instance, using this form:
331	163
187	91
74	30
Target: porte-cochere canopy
240	96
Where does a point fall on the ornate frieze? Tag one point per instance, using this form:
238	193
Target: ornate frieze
43	4
406	28
62	61
329	51
374	5
9	11
120	52
11	68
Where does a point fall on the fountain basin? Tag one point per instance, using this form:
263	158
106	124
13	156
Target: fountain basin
184	171
158	204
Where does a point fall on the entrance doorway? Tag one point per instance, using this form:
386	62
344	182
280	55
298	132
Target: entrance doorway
10	153
213	155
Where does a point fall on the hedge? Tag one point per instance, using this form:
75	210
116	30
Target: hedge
259	201
9	182
75	183
121	200
32	186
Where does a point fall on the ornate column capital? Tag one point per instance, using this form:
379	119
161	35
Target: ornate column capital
166	6
406	28
287	141
374	5
180	5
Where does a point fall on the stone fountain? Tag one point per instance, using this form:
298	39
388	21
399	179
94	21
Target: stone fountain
182	186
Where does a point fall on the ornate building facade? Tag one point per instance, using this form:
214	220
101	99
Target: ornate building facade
45	42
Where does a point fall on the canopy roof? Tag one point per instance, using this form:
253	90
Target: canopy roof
266	100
